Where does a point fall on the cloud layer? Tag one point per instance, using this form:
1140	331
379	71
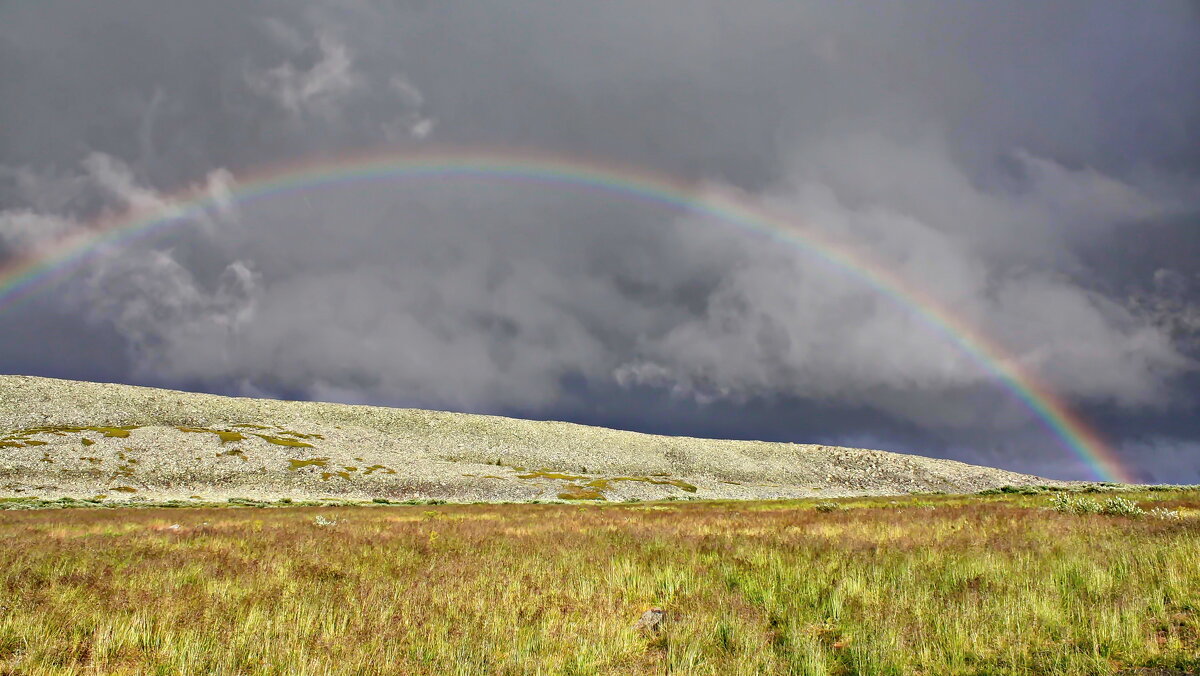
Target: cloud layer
983	154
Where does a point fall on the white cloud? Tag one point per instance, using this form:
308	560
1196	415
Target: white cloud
317	90
422	128
117	180
22	230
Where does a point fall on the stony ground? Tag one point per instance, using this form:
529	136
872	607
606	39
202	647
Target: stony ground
78	439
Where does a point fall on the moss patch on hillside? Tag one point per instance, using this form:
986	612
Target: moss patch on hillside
576	492
546	474
21	438
296	463
602	484
594	489
283	441
224	435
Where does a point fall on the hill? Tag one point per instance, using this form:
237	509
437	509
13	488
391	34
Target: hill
80	439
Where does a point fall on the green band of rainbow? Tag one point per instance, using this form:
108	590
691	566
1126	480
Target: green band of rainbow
21	277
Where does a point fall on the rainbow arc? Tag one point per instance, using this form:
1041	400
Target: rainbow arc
21	278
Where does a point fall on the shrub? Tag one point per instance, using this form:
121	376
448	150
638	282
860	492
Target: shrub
1164	513
828	506
1102	487
246	502
1074	505
1122	507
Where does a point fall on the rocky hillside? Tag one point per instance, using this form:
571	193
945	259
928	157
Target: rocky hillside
78	439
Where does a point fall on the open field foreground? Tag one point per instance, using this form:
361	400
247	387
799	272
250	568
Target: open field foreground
996	584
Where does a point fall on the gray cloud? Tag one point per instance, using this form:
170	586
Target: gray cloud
1169	302
979	152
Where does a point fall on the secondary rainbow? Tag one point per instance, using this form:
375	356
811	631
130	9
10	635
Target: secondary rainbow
40	268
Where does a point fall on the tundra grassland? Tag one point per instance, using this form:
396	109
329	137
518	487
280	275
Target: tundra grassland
991	584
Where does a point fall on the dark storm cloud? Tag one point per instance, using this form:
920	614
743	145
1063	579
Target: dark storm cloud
1001	157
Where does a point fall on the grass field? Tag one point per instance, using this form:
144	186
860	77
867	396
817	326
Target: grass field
997	584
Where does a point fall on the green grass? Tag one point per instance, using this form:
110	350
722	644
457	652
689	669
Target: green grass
224	435
930	584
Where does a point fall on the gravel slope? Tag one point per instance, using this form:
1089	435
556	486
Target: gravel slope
80	439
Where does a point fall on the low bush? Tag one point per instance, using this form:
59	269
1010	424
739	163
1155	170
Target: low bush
1163	513
1114	506
1069	504
1122	507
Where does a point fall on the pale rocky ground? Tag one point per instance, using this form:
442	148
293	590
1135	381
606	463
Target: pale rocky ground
270	449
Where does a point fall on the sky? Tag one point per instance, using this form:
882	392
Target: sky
1032	166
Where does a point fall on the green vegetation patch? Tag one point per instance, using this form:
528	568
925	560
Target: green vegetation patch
235	435
282	441
547	474
300	435
383	469
602	484
113	432
224	435
296	463
597	486
62	430
577	492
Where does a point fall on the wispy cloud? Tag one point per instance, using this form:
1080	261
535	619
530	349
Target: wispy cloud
316	90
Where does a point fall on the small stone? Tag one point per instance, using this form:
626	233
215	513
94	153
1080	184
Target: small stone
651	620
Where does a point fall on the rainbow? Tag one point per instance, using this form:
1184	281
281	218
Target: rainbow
42	267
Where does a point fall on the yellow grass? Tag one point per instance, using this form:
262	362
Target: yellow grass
926	585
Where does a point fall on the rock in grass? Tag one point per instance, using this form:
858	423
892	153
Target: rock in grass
650	621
